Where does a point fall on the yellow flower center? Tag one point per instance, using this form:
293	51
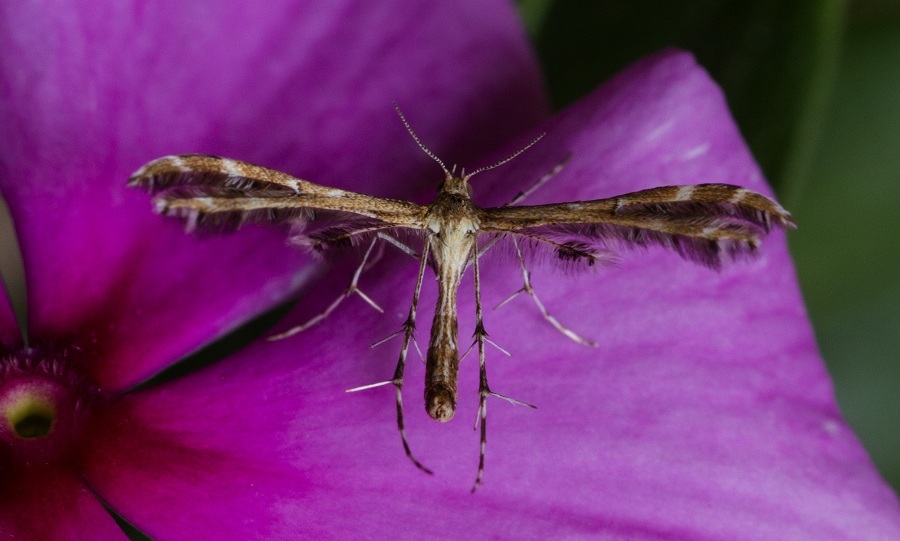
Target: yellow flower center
29	415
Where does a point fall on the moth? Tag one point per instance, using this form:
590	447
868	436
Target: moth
705	223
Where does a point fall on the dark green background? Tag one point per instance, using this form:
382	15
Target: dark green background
815	88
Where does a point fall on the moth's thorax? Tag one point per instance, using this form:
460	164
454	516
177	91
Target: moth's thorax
453	223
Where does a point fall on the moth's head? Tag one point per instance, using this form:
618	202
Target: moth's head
456	185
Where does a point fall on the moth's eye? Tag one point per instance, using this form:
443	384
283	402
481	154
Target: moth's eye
469	190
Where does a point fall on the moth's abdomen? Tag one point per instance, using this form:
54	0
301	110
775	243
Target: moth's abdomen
442	361
440	402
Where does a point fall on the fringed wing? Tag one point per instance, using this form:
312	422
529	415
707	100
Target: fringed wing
706	223
540	247
224	194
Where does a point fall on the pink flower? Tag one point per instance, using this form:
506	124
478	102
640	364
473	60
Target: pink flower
705	413
116	294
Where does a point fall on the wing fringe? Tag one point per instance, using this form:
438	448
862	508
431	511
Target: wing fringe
735	241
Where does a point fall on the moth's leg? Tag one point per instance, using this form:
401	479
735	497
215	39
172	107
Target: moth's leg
527	288
409	328
377	255
406	249
351	289
483	390
539	182
521	196
401	246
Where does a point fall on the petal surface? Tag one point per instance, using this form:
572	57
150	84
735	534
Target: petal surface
203	458
94	92
705	412
51	503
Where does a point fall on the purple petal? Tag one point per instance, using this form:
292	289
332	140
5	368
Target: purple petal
51	503
305	87
199	458
705	413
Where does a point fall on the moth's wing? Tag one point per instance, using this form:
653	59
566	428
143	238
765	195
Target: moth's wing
706	223
221	193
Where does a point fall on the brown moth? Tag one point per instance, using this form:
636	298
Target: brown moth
706	223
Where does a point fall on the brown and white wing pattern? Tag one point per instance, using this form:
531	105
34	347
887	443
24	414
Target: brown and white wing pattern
221	193
706	223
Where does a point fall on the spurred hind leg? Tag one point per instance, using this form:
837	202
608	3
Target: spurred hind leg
351	289
527	288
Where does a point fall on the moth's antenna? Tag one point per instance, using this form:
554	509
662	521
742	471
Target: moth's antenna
501	162
416	138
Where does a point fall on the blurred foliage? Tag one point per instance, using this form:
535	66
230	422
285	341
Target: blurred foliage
12	275
773	58
847	249
815	88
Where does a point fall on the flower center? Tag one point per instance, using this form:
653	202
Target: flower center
43	401
30	416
